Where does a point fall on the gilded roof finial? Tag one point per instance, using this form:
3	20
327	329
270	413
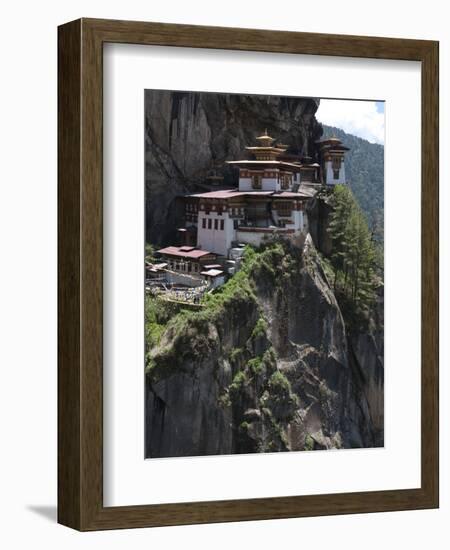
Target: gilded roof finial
265	139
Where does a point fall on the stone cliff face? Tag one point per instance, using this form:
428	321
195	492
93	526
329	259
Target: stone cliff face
188	134
268	367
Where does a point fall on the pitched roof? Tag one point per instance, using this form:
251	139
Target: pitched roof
219	194
265	162
224	194
212	272
192	253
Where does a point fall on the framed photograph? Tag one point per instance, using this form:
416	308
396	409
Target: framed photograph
248	274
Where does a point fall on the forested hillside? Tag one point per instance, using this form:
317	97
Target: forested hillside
364	168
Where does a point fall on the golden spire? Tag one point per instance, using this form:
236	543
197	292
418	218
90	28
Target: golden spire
265	139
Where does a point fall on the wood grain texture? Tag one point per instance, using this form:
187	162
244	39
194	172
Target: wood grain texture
69	245
430	273
80	324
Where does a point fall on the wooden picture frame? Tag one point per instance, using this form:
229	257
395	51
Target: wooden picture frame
80	414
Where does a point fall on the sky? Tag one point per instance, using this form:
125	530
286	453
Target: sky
364	119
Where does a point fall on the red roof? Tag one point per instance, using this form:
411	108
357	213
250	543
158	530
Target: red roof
220	194
227	194
263	162
192	253
273	194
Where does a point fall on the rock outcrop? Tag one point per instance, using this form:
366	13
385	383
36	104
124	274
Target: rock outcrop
268	365
189	134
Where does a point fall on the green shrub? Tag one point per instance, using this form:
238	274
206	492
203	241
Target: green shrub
244	426
239	381
260	329
149	253
236	354
309	443
279	384
255	365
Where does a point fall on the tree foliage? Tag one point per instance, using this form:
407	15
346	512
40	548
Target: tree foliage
355	256
364	171
149	253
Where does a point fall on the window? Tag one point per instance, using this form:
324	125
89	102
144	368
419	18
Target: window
235	224
216	223
204	223
336	161
256	181
209	223
285	181
284	209
336	166
222	225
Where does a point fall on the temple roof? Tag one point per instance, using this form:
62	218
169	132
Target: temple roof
333	144
212	272
231	193
185	252
266	139
277	163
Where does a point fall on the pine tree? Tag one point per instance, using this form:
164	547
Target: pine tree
355	253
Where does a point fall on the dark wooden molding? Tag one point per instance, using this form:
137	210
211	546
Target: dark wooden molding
80	263
69	245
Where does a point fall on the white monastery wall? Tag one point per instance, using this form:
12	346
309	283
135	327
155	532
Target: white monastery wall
267	184
245	184
215	240
247	237
330	175
270	184
299	220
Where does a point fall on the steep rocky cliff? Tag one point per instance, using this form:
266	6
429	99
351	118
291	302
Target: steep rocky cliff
266	365
188	134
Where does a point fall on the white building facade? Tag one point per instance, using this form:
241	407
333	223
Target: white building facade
333	161
271	198
215	231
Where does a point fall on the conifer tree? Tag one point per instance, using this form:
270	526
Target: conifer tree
354	252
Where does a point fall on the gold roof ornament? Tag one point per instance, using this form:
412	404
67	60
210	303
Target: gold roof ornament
265	139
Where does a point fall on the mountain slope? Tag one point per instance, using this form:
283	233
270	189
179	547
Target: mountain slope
267	365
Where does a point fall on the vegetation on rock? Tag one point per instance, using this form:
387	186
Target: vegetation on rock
355	257
257	362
